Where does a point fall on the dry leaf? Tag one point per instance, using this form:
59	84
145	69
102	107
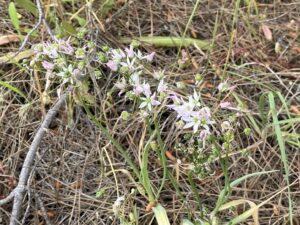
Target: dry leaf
195	64
295	109
76	184
267	32
22	55
188	81
50	214
170	156
9	38
150	206
58	185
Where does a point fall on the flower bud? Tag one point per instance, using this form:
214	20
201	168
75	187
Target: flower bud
180	85
102	57
125	115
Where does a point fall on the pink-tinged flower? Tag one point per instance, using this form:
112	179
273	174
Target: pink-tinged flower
138	89
50	50
47	65
162	86
65	47
175	99
112	65
198	119
226	126
135	79
225	105
153	101
150	57
204	134
130	65
76	72
129	51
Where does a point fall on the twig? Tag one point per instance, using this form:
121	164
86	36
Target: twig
18	192
41	19
44	212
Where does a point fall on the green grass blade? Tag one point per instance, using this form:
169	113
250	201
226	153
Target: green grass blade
145	177
223	193
162	157
113	141
282	150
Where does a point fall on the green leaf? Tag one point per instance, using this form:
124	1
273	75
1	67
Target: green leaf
161	215
12	12
186	222
28	6
106	7
12	88
100	193
67	27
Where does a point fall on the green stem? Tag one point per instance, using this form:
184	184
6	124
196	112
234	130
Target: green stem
160	41
113	141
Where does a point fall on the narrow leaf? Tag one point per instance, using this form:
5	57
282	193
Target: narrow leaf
12	88
161	215
28	6
12	11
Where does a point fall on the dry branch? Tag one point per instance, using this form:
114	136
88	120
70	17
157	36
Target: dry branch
18	193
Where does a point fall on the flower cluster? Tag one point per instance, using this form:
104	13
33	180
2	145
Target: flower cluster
62	59
130	64
193	114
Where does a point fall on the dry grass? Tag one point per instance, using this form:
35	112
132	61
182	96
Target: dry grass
72	163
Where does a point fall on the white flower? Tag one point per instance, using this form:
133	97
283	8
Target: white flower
226	126
158	74
129	51
134	78
117	204
224	86
117	54
146	89
121	85
66	72
194	100
148	102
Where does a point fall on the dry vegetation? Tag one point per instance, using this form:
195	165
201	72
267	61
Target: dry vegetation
257	51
